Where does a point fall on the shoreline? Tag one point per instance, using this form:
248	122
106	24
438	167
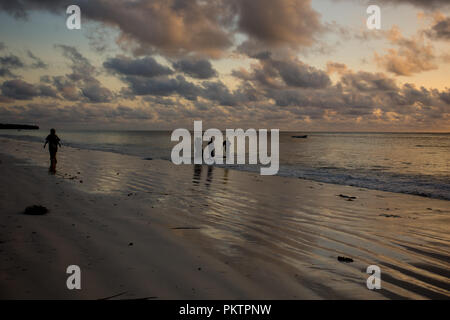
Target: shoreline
252	237
423	185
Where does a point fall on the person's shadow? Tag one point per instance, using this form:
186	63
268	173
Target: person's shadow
197	174
209	176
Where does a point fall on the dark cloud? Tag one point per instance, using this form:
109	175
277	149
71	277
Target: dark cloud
445	96
432	4
176	27
195	68
298	74
82	69
163	86
66	87
440	30
426	4
355	97
145	67
79	113
81	84
282	22
8	64
291	72
96	93
366	81
218	92
37	62
19	90
2	46
47	91
170	26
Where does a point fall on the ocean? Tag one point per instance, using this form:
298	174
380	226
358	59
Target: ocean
412	163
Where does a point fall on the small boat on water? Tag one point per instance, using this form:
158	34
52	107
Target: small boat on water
300	137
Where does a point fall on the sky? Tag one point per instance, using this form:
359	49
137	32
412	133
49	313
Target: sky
293	65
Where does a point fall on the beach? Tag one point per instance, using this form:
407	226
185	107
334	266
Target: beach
147	229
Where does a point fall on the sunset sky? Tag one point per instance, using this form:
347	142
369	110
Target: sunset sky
288	64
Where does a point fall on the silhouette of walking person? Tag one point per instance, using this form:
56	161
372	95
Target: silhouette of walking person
226	148
211	148
53	143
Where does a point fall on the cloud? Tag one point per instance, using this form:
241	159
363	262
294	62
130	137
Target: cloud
169	26
47	91
431	4
96	93
66	87
368	82
440	30
195	68
276	23
79	113
163	86
355	98
37	62
176	27
8	64
289	71
19	90
413	55
11	62
81	84
145	67
81	67
297	74
426	4
445	96
218	92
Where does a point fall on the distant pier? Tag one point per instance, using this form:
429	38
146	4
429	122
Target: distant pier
18	126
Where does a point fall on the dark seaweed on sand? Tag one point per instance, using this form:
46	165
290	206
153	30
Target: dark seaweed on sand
345	259
35	210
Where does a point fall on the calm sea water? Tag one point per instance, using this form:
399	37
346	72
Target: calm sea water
413	163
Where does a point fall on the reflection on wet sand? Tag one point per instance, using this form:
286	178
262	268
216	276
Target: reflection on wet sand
263	223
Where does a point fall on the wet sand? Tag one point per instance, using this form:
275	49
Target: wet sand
149	229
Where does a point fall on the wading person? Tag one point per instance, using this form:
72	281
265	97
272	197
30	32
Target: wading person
53	143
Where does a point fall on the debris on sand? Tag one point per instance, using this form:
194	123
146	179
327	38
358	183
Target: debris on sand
389	215
35	210
344	259
350	198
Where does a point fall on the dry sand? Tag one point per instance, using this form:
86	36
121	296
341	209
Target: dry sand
149	229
